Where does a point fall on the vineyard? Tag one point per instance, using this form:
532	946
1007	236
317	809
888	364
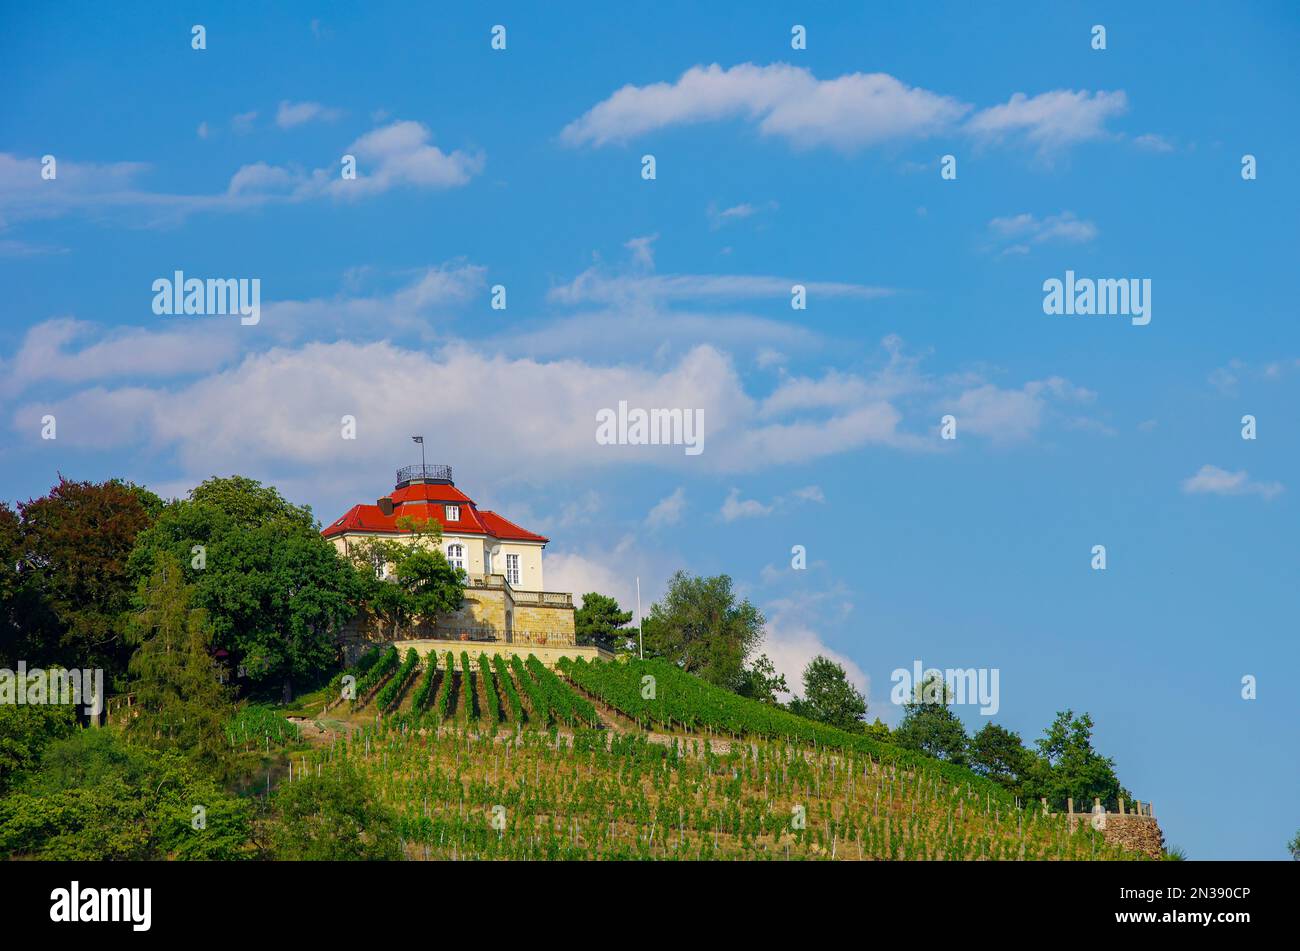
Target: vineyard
497	759
656	694
460	793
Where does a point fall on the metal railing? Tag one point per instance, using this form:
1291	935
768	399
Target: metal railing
424	471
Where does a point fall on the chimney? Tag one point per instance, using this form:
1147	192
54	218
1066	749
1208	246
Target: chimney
386	505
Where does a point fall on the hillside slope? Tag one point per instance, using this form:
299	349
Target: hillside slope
528	777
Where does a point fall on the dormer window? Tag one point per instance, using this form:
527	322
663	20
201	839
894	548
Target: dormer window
452	512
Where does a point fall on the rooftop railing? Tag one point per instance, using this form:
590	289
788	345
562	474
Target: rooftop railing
429	473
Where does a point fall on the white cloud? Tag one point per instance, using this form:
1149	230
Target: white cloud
719	218
281	409
47	352
734	507
643	252
1025	229
203	130
851	111
291	114
1211	480
401	154
1153	143
397	155
578	574
1007	415
792	642
242	124
1050	120
597	285
810	493
668	510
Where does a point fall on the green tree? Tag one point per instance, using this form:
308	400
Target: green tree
1000	754
333	817
94	798
12	632
829	698
275	591
25	732
76	543
1294	846
418	581
180	701
248	503
1068	767
929	725
761	682
600	621
702	628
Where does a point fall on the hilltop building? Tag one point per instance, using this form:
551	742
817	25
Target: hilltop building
507	608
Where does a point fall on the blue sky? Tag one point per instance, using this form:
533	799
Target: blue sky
522	167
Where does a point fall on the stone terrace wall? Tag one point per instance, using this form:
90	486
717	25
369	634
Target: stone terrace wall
1135	830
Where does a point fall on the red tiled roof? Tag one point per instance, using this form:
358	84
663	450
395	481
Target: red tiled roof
502	527
429	500
432	492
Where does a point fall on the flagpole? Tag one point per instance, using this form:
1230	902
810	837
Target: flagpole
640	638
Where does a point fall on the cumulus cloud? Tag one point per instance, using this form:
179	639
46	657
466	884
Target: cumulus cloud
1018	232
1211	480
1010	415
1051	120
242	123
734	507
1152	142
394	156
282	408
849	112
793	641
668	510
291	114
66	350
401	153
810	493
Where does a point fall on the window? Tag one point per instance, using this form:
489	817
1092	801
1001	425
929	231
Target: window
452	512
381	568
487	561
512	569
456	555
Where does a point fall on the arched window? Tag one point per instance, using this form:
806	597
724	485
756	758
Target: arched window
456	555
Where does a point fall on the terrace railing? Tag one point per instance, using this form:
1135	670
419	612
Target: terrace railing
431	473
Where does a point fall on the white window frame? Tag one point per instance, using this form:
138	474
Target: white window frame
456	555
451	513
381	569
514	571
